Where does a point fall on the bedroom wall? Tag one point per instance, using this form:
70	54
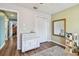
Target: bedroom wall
26	21
72	21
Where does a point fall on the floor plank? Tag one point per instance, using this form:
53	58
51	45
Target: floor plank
10	49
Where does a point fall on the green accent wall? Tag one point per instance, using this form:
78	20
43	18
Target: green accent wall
2	30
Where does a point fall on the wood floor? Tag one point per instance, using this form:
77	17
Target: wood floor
10	49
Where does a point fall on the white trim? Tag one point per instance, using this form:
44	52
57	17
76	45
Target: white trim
18	34
2	45
49	40
58	43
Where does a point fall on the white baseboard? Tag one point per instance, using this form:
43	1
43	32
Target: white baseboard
2	45
49	40
58	43
18	48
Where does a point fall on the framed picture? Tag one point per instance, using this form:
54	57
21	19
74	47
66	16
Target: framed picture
59	27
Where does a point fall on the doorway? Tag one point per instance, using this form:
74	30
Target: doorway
12	29
8	27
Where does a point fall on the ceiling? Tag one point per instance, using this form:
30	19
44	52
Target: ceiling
50	8
10	15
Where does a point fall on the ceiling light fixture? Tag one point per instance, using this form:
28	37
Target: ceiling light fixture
35	7
41	3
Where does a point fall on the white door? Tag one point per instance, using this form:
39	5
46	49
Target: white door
42	29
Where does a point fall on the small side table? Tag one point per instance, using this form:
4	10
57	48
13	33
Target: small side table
70	47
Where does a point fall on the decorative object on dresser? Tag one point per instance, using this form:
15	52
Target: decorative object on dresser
71	45
29	41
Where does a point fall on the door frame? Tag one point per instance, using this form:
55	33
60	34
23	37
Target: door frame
8	9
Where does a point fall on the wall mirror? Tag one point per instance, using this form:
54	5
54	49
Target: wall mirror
59	27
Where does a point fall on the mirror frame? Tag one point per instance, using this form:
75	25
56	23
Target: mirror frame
64	20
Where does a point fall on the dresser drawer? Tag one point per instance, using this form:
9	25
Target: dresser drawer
30	44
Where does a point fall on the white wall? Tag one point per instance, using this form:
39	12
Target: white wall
26	21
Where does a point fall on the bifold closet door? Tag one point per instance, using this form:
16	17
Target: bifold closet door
41	28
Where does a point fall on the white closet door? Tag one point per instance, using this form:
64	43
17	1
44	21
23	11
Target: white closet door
42	29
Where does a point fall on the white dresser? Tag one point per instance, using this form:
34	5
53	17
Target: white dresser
30	41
